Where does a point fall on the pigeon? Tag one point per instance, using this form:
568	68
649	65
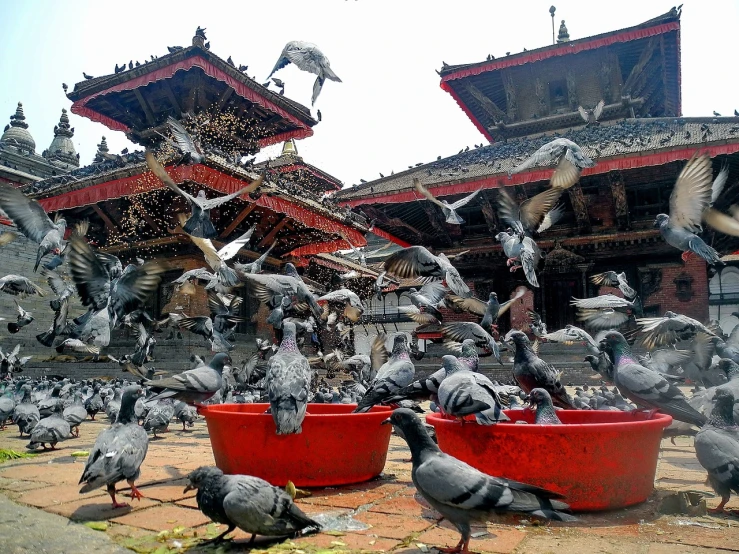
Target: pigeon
7	407
118	452
690	196
94	404
397	372
572	335
717	449
86	76
427	302
490	311
22	319
200	274
32	221
307	57
75	414
591	117
48	405
287	382
192	153
461	330
256	265
533	215
199	224
353	308
463	392
518	246
185	414
193	385
51	429
19	285
267	287
541	402
26	414
538	327
449	210
158	417
646	387
417	261
613	279
606	311
668	329
462	493
246	502
531	372
555	151
113	406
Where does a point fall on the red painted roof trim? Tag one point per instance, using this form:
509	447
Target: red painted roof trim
80	106
203	175
500	179
392	238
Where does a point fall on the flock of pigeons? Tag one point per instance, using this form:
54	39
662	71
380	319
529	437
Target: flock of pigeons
677	347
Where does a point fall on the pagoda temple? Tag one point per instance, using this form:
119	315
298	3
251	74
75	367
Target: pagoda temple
640	142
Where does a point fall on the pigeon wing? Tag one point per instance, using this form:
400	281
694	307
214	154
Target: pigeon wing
505	306
464	201
535	208
27	214
606	279
423	191
233	247
414	261
566	174
89	274
181	136
209	204
604	318
691	194
378	353
134	287
471	304
161	174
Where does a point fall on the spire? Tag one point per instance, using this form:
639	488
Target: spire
100	155
289	148
563	35
17	134
62	148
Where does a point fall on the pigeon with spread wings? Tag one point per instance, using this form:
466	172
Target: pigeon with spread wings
307	57
417	261
449	210
559	150
199	223
490	311
613	279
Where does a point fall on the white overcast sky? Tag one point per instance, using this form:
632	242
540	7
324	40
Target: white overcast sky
389	112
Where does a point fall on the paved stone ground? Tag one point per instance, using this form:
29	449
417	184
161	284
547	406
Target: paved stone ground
167	519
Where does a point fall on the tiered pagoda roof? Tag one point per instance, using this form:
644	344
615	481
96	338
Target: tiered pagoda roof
291	165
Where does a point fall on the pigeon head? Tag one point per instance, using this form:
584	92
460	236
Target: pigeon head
199	476
501	236
411	428
400	344
219	360
468	348
516	337
613	340
592	360
661	219
723	396
729	367
450	363
539	397
492	296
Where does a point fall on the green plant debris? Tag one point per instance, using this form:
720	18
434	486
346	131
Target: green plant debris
80	454
96	525
8	454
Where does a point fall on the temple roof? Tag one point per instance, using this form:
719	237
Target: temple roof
139	100
291	163
17	134
640	63
62	147
613	145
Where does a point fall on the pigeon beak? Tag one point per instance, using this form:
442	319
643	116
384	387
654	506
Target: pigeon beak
388	420
188	488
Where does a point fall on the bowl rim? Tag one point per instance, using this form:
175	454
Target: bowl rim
222	410
658	421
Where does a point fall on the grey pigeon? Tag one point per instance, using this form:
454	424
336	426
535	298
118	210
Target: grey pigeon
26	414
32	221
256	265
531	372
613	279
307	57
17	284
118	452
268	287
690	196
463	494
193	385
199	224
606	311
426	302
717	449
461	330
75	414
183	141
533	215
645	387
490	311
94	404
113	406
537	325
541	402
185	413
7	407
417	261
246	502
554	151
353	308
51	429
519	247
572	335
158	417
23	318
669	329
394	374
463	392
287	382
449	210
48	405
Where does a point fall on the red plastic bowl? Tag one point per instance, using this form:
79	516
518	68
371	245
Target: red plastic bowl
336	446
599	460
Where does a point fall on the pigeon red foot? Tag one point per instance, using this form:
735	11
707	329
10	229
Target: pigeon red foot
135	492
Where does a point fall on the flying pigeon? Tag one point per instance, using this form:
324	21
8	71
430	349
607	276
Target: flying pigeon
246	502
668	329
32	221
287	382
118	452
460	330
490	311
462	493
22	319
449	210
690	197
606	311
555	151
426	302
199	223
613	279
519	247
591	117
307	57
417	261
256	265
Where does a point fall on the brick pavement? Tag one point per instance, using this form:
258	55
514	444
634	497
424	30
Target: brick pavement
396	522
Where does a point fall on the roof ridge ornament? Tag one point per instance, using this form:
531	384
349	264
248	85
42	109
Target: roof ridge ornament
563	35
18	120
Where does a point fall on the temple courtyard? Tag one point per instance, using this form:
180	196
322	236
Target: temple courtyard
41	509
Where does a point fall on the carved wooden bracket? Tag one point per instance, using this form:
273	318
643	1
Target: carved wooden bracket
437	222
488	212
510	95
488	106
620	202
580	207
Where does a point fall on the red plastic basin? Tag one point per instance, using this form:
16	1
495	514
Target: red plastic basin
336	446
599	460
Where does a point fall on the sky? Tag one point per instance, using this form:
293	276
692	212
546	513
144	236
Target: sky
388	113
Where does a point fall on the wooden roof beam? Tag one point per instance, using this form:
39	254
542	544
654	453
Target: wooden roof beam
273	233
487	105
620	202
437	222
109	225
636	71
171	97
238	219
224	97
145	106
